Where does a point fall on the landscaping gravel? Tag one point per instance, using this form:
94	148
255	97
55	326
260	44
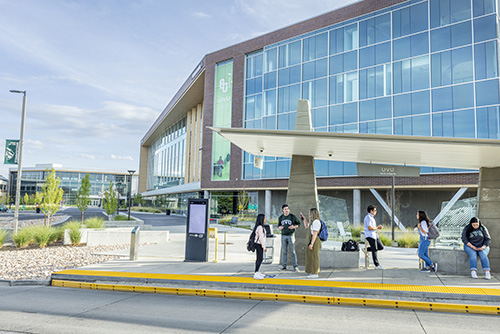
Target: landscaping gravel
40	263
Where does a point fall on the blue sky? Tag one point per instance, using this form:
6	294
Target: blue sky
99	72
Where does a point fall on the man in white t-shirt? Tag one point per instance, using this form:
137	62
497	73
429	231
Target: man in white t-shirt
371	234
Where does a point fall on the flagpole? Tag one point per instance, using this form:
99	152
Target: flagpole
20	162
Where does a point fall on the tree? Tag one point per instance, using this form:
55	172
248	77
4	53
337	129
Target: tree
83	195
38	198
110	200
52	195
26	199
139	200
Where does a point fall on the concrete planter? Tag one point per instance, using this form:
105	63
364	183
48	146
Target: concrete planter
336	259
451	261
117	236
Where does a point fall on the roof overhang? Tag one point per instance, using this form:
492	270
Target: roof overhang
458	153
184	188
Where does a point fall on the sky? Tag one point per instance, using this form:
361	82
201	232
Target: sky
97	73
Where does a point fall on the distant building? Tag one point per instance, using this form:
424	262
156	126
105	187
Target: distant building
33	179
4	182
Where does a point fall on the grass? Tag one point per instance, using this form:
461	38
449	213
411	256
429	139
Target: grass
3	236
75	235
386	240
94	222
408	240
356	232
72	224
44	235
121	218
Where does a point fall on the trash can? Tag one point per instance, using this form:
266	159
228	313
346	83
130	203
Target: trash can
168	212
268	256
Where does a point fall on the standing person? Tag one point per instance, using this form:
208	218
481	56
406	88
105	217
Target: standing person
260	244
476	239
424	243
313	243
287	223
371	234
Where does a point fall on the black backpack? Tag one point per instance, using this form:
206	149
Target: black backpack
350	246
251	242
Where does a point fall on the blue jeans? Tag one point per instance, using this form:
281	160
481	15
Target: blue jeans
423	250
483	256
288	241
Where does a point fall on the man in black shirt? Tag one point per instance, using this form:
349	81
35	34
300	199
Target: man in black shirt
287	223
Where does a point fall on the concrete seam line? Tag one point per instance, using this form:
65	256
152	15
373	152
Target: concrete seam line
328	300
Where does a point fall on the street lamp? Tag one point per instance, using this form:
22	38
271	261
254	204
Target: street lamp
131	172
20	161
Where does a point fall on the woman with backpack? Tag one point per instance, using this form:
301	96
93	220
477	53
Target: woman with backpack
423	245
313	243
476	239
260	244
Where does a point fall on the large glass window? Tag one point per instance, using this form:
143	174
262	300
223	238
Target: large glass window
453	97
287	98
315	91
483	7
344	39
376	127
289	75
375	109
452	67
375	81
375	30
487	92
454	124
451	36
374	55
412	103
411	74
485	28
444	12
344	88
488	122
289	54
271	60
344	62
316	47
315	69
409	20
411	46
486	60
343	113
412	126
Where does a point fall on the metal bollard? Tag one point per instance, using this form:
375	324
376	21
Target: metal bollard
134	243
225	233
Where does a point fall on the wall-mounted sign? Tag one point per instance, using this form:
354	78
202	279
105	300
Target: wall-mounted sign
387	170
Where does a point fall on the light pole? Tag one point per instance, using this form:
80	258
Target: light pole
20	161
131	172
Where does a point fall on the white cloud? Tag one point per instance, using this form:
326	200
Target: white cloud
118	157
201	15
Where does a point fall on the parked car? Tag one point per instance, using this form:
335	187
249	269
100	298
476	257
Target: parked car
3	208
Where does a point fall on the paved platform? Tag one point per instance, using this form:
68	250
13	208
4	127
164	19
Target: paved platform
161	269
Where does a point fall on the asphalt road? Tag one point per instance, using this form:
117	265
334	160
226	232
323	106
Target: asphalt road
45	309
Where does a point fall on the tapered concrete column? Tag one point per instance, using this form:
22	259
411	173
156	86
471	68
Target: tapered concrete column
488	210
267	209
302	192
356	207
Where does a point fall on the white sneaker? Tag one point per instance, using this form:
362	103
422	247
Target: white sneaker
487	275
312	276
258	275
379	267
473	274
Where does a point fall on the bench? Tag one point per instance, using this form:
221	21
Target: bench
336	259
452	261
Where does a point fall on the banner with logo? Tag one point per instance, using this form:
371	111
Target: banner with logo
221	147
11	152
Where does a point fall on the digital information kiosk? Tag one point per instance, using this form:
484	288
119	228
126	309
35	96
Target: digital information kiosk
197	230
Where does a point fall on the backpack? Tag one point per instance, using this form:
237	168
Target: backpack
323	232
350	246
433	232
251	242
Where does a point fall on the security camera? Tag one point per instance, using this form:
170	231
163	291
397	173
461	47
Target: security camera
330	154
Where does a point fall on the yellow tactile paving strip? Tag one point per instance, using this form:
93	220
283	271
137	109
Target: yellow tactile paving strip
298	298
290	282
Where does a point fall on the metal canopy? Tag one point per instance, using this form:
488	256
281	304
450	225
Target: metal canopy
368	148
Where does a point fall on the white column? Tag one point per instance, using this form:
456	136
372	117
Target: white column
206	194
268	204
356	207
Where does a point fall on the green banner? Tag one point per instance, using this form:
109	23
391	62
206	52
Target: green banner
11	152
221	147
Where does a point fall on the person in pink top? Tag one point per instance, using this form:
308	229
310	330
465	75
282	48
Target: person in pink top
260	244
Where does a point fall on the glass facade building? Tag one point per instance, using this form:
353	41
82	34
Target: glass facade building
419	68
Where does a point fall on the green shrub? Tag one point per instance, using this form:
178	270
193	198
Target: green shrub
59	232
385	239
72	224
408	240
147	209
75	236
3	236
94	222
23	238
44	235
